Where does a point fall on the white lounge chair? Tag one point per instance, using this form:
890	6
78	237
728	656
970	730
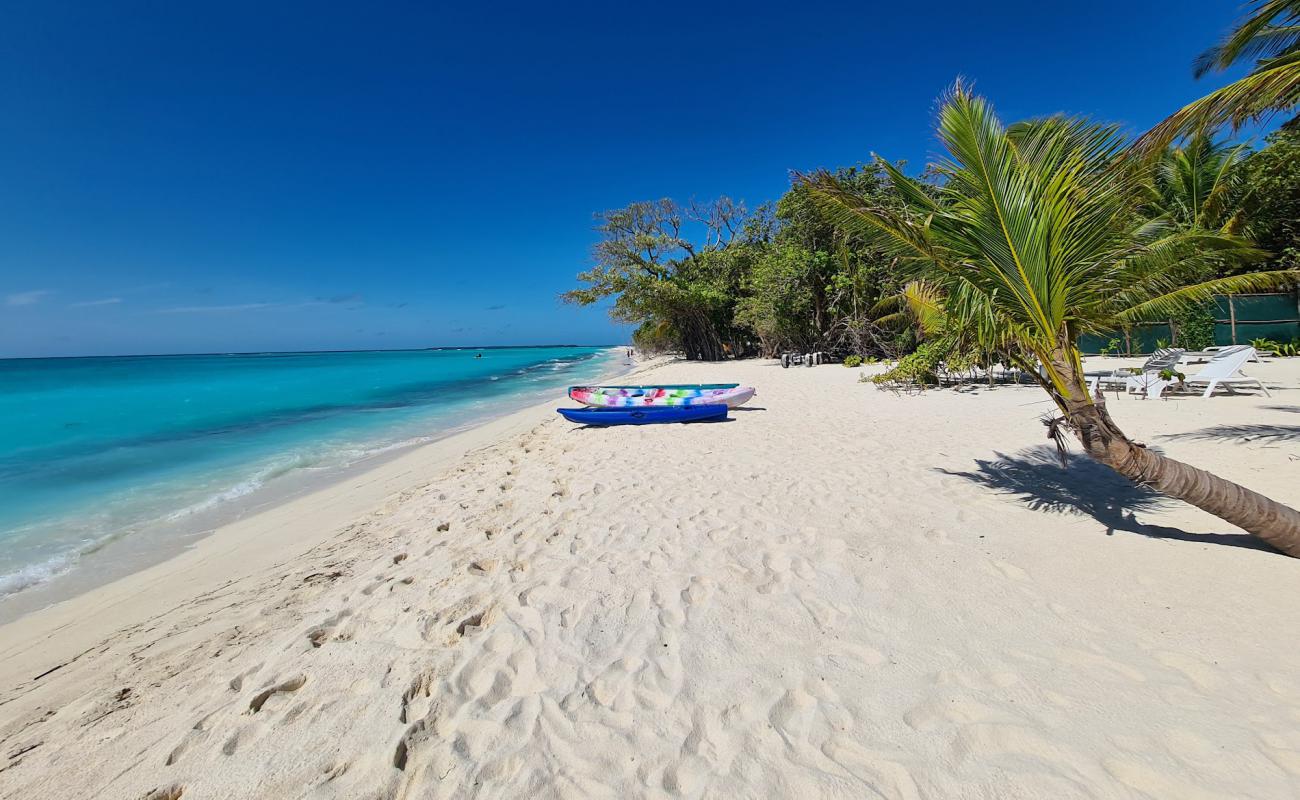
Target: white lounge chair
1225	370
1210	353
1148	383
1164	358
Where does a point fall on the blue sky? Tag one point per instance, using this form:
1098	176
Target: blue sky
232	177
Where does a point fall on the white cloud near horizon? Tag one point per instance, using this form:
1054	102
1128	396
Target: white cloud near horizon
215	309
107	301
346	301
26	298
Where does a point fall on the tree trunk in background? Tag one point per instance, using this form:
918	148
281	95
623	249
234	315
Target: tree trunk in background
1275	523
699	339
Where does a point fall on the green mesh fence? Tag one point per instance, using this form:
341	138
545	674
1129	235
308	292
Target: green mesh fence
1252	316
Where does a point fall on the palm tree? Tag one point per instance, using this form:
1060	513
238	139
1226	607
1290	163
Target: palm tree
1034	238
1270	34
1197	187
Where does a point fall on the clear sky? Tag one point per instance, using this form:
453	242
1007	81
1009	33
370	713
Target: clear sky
179	177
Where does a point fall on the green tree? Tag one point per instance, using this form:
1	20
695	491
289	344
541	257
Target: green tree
1271	177
1198	187
677	289
1034	238
1269	35
810	288
784	296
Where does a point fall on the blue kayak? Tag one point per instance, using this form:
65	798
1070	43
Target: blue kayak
644	415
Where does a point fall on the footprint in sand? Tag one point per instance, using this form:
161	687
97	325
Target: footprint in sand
330	630
292	685
416	698
612	689
483	567
777	564
475	623
237	682
670	610
699	590
792	717
196	736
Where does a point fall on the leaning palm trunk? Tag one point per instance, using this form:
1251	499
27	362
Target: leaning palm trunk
1277	524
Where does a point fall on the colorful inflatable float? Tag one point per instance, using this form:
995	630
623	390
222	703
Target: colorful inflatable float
730	395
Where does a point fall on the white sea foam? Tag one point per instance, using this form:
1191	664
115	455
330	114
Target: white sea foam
242	488
31	575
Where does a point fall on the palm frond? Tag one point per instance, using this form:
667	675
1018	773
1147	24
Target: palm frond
925	302
884	228
1268	30
893	321
1273	87
1184	297
889	304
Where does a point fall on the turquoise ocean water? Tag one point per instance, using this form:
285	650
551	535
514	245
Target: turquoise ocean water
93	450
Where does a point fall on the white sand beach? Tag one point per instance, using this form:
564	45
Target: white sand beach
840	592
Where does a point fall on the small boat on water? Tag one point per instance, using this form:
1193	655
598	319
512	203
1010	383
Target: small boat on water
644	415
642	396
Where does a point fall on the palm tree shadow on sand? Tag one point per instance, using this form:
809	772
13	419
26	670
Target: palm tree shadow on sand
1288	409
1245	434
1035	477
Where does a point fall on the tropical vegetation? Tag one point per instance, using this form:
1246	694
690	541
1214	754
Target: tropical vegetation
717	280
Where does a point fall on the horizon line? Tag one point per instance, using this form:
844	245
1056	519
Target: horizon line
315	352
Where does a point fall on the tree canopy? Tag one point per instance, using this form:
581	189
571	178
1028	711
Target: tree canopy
715	280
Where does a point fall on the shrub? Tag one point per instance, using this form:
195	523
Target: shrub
1283	349
1196	328
853	361
918	367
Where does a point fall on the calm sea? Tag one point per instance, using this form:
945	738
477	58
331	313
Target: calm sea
94	450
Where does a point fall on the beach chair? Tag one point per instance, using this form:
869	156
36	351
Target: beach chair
1225	370
1210	353
1149	384
1164	358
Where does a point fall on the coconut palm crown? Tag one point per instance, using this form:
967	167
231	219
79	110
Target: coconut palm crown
1199	186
